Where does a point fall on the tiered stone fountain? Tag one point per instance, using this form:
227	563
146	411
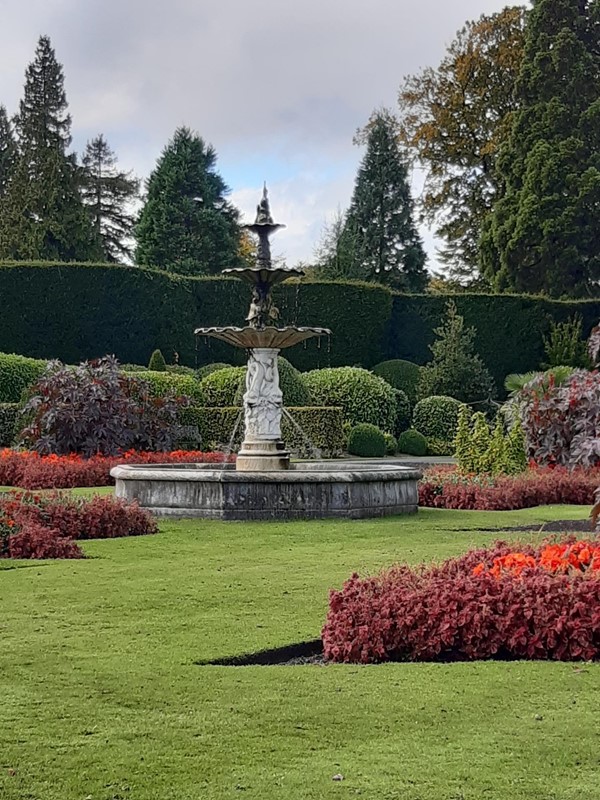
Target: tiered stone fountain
263	483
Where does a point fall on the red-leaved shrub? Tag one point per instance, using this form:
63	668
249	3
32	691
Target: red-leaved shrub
445	487
46	525
461	611
26	469
36	541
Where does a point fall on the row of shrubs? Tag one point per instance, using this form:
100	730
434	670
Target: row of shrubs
27	469
48	525
446	487
477	606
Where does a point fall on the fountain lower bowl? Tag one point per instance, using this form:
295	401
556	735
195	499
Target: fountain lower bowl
308	490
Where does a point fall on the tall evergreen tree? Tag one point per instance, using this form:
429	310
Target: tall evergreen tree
42	215
186	224
107	193
380	233
542	236
8	151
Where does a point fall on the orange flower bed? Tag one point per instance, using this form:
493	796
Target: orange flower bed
558	559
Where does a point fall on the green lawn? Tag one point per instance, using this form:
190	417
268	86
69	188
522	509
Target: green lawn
101	699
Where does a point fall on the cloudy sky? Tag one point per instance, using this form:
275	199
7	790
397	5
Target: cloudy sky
279	88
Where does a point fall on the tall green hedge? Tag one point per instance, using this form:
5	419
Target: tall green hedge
510	328
80	311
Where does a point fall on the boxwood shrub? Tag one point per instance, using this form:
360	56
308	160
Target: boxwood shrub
403	412
161	383
437	418
367	440
401	375
224	387
9	419
412	443
364	397
16	374
323	427
207	369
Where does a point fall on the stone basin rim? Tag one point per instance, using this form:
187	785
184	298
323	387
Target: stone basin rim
307	473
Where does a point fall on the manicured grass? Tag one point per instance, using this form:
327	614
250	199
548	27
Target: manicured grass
100	696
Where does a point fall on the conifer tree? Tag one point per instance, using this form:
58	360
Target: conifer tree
186	224
542	236
380	235
497	450
8	151
107	194
456	369
463	449
41	214
516	450
480	442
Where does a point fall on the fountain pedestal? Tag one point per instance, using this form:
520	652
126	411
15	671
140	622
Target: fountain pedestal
263	449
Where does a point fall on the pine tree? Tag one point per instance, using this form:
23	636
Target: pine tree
8	151
456	369
41	215
335	253
107	193
186	224
542	236
385	244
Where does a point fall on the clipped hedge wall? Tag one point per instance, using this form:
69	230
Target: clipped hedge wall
76	312
9	416
323	427
510	328
16	374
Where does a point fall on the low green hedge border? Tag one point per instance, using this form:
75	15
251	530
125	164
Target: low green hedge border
213	428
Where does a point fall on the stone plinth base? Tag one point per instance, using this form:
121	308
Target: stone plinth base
308	490
264	456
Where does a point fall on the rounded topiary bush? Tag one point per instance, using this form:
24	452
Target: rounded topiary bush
208	369
364	397
224	387
163	383
401	375
413	443
437	418
18	373
391	444
403	412
367	440
291	381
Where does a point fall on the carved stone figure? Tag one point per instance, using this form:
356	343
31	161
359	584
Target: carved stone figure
263	397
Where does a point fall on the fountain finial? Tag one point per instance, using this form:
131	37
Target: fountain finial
263	212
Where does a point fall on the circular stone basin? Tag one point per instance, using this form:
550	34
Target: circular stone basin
308	490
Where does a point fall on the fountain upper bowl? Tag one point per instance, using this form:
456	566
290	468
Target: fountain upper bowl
251	338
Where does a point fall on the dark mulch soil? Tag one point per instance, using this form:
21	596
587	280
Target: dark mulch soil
558	526
291	655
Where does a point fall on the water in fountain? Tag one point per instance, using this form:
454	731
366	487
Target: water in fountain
312	448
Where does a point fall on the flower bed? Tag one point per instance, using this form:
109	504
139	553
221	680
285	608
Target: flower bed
533	603
445	487
29	470
46	526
